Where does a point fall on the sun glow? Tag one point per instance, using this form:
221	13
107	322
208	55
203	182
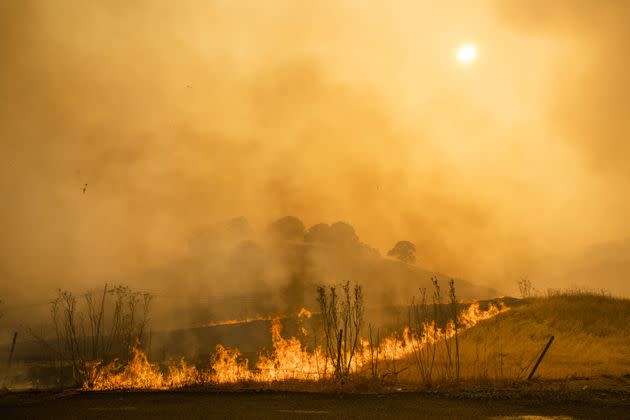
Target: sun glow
466	53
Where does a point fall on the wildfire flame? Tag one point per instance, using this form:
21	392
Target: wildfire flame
304	313
290	359
241	321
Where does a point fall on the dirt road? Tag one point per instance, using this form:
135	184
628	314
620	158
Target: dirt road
278	405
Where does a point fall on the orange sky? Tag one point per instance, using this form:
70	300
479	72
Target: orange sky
179	114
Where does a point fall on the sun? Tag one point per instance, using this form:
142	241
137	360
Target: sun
466	53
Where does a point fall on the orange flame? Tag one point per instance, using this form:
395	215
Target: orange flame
239	321
289	359
304	313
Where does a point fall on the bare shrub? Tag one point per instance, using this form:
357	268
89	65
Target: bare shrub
434	360
423	355
98	326
525	288
455	320
342	320
375	342
404	251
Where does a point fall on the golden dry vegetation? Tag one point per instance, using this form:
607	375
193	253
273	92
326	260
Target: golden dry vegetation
592	337
494	346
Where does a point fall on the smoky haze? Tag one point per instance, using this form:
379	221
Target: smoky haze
180	115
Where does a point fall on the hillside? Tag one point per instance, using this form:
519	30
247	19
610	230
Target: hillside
592	337
231	273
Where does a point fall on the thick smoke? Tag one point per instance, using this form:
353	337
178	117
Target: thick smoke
179	115
587	110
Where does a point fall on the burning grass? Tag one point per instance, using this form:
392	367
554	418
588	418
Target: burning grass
290	360
444	344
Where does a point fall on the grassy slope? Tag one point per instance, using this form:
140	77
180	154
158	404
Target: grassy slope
592	337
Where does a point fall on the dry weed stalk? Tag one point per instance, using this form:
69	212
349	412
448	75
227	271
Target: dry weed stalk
455	321
375	342
525	288
84	336
424	355
428	330
341	322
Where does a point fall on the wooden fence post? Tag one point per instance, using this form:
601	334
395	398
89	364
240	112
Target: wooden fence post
531	375
11	352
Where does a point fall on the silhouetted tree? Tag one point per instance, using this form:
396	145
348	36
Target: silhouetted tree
287	228
405	251
343	234
369	252
239	226
320	232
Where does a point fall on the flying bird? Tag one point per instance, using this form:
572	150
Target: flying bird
85	188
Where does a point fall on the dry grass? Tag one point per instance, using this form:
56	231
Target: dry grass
592	338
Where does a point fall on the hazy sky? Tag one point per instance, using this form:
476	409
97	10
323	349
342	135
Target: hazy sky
179	114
